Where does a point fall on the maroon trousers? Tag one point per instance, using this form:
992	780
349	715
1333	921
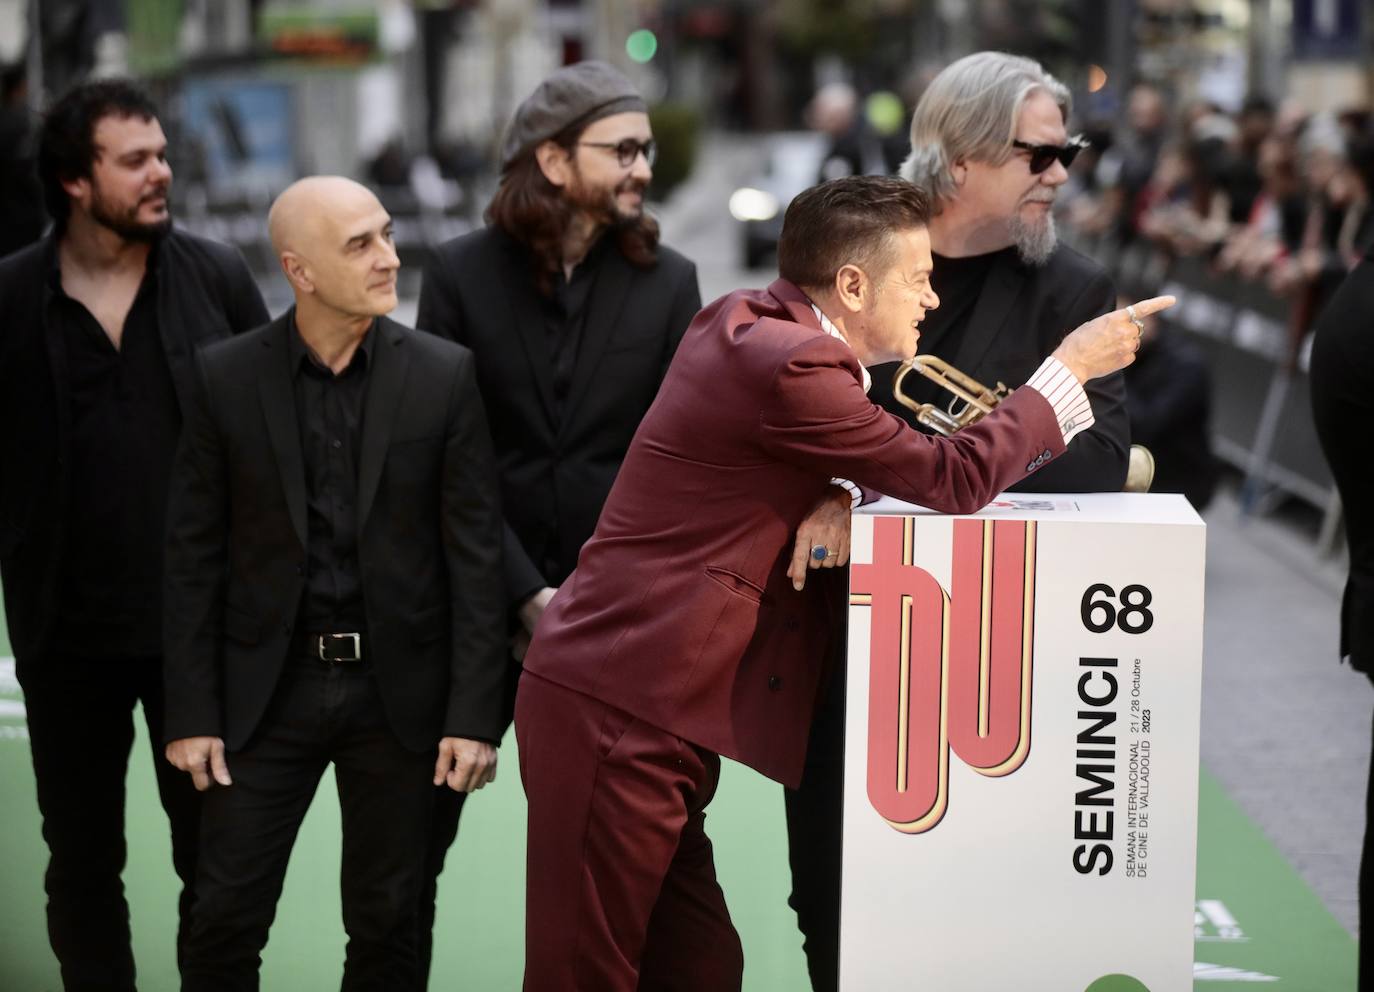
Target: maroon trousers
621	890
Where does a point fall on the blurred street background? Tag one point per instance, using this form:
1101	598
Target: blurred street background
1232	164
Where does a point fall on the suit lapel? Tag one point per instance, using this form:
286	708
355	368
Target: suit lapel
603	312
173	323
990	313
385	387
279	410
527	321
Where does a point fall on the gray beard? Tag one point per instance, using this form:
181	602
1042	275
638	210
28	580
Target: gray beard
1035	243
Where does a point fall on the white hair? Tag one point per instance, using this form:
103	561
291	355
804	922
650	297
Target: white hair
970	111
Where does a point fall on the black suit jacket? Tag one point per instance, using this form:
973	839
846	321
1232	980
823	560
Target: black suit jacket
1342	403
1021	316
428	540
479	290
204	293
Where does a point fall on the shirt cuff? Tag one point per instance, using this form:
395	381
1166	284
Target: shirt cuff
1066	395
856	495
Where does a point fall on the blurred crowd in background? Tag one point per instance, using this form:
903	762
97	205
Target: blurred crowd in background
1231	158
1276	193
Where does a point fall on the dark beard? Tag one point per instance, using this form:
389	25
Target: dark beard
601	203
125	225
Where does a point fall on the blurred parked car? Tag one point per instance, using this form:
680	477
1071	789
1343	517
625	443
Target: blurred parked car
791	163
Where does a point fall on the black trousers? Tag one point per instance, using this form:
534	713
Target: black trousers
448	807
318	715
81	729
815	826
443	830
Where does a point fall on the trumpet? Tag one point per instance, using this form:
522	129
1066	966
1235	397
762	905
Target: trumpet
978	400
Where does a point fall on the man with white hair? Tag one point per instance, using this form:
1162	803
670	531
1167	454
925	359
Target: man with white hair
990	145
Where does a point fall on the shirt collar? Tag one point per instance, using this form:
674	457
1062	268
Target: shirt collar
835	332
301	354
52	262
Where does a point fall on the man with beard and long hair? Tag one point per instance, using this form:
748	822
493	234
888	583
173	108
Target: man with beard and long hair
573	309
102	319
990	145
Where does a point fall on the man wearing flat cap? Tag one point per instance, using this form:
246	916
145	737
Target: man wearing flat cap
573	310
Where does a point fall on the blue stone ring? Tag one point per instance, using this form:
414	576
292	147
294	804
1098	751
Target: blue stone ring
820	552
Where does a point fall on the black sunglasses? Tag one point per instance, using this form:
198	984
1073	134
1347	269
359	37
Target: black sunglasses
628	150
1043	156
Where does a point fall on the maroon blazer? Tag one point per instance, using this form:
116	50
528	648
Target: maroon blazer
680	610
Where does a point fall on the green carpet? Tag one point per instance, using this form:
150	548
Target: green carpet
1258	923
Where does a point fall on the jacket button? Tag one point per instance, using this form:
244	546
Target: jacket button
1031	467
286	627
300	569
774	683
792	623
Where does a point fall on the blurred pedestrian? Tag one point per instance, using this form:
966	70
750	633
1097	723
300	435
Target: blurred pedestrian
102	318
332	595
1131	161
851	150
1009	292
1342	371
1169	398
573	310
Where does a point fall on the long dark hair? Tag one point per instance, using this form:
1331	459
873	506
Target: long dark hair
536	213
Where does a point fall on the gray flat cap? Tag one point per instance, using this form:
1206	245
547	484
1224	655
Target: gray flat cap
575	94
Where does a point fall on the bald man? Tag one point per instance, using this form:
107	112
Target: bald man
333	595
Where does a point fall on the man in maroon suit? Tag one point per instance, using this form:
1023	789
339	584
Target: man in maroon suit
681	636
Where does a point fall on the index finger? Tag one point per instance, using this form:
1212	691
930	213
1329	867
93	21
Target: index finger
796	571
219	768
442	763
1153	305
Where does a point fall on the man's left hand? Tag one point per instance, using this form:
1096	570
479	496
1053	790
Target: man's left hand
466	765
827	526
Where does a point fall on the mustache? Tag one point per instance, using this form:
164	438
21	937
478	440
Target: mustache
1041	198
631	186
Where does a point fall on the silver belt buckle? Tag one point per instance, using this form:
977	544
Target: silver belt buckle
357	646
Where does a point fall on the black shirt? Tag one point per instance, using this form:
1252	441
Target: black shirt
958	282
329	412
565	317
124	425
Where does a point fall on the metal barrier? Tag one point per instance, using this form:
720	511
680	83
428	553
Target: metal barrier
1257	346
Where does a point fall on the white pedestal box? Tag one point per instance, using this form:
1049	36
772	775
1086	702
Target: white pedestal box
1021	754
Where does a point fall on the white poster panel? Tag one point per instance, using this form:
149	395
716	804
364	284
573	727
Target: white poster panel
1021	764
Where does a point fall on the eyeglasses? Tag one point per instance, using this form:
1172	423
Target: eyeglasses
1043	156
628	150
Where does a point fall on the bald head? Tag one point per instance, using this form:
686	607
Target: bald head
310	208
333	237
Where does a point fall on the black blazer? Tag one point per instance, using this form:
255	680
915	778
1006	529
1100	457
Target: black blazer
204	293
1021	316
479	290
428	540
1343	406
